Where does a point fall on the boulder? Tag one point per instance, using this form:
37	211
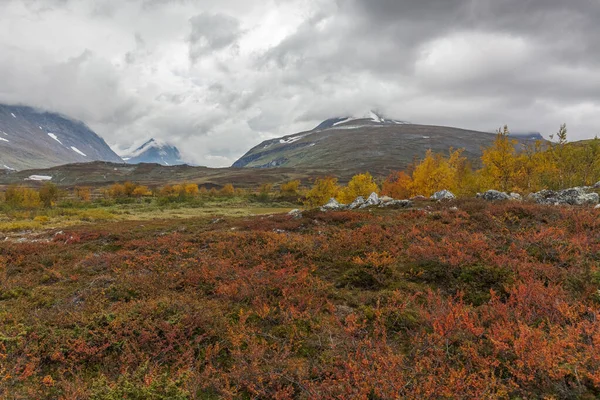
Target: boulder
386	199
597	207
443	195
494	195
597	185
333	205
516	197
576	196
397	204
357	203
373	200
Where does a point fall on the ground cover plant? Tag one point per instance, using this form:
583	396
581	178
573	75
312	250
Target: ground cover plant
467	299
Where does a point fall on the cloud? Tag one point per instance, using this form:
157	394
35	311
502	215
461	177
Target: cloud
216	78
211	33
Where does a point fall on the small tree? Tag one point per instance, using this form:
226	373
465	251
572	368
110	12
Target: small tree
228	190
48	194
500	166
398	185
83	193
360	185
322	190
290	189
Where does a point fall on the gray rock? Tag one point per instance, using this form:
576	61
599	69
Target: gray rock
576	196
443	195
418	198
397	204
494	195
597	207
516	197
333	205
386	199
597	185
373	200
295	213
357	203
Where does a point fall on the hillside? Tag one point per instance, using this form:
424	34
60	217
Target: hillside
154	151
103	173
35	139
375	144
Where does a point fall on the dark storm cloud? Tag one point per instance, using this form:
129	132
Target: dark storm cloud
217	77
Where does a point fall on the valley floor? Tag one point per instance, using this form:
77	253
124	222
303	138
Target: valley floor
459	300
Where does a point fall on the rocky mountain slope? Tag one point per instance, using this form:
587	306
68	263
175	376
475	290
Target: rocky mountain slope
372	143
154	152
31	138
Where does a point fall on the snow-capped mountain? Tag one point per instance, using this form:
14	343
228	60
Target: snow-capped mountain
366	143
154	152
369	118
31	138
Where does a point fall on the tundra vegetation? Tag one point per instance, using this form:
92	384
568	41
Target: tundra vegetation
102	299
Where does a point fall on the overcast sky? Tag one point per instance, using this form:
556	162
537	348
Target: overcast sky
216	77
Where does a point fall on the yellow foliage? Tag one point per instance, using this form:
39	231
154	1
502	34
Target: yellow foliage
228	190
322	190
435	173
500	163
141	191
290	188
360	185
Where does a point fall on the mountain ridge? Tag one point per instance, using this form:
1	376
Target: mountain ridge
34	138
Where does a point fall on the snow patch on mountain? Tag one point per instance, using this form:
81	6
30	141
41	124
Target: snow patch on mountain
39	178
53	136
13	115
76	150
3	140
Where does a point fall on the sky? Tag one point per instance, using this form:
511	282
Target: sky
216	78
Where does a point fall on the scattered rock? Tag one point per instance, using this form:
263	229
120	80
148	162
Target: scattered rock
359	202
516	197
597	207
333	205
494	195
574	196
386	199
295	213
373	200
597	185
419	198
443	195
397	204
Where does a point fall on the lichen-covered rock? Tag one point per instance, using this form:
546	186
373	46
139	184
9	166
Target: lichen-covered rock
576	196
333	205
515	197
443	195
397	204
357	203
494	195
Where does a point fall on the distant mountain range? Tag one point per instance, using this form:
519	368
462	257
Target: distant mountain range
367	143
30	138
154	151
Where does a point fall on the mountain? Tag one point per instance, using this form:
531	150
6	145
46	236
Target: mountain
154	152
31	138
370	143
527	135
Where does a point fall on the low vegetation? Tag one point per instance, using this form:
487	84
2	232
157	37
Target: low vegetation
477	301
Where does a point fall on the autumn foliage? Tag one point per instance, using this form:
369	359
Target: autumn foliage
487	301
